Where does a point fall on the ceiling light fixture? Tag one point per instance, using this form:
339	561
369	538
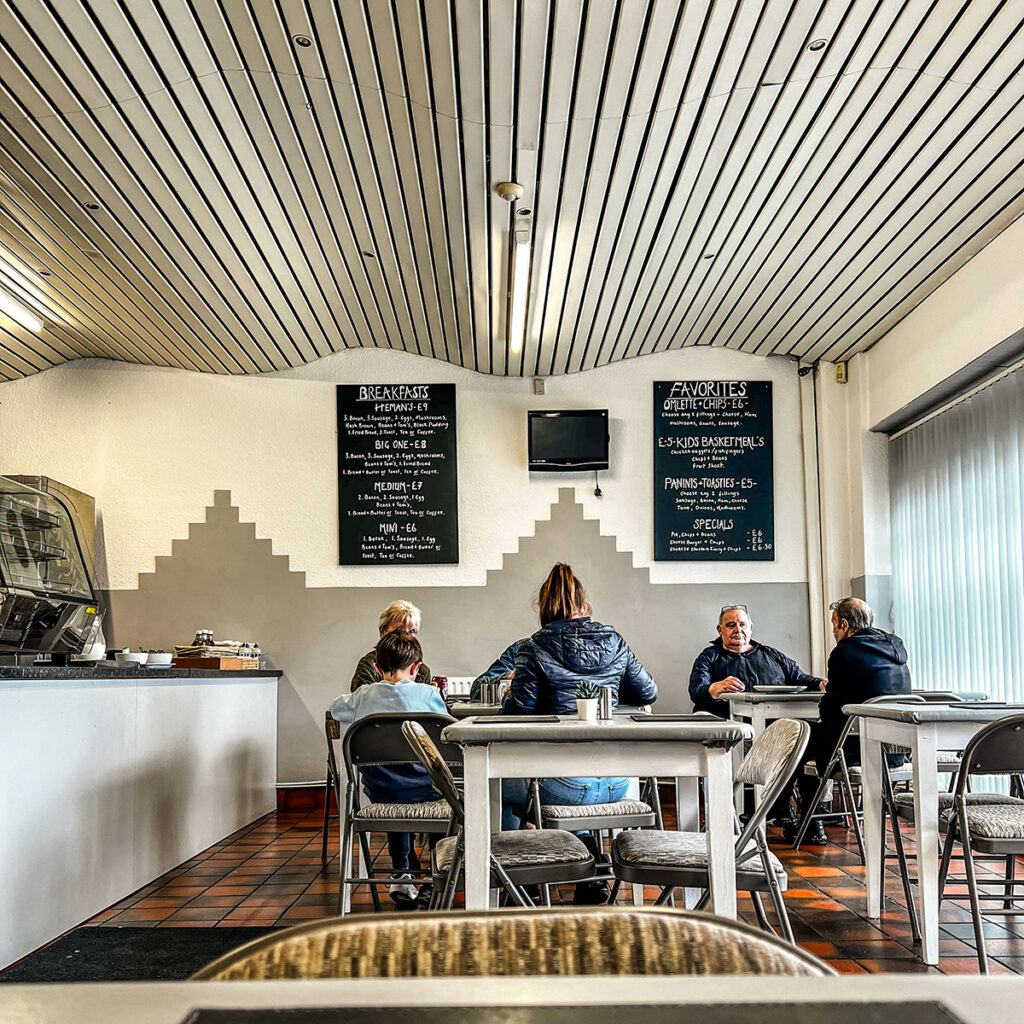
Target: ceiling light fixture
302	41
817	44
520	280
16	311
91	206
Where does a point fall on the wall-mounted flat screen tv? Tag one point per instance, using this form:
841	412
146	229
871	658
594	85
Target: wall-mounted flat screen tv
568	439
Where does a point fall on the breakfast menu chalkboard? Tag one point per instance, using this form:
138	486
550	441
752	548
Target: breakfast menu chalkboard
713	478
398	492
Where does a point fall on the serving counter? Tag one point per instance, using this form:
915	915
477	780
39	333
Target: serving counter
112	776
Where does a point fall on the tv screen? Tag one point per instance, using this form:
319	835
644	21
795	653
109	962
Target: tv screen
570	439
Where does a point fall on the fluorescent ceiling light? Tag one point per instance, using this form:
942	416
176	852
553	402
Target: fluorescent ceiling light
520	280
16	311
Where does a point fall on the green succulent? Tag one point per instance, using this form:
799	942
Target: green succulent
586	690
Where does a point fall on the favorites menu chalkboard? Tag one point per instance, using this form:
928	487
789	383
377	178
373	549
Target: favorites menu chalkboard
398	493
713	477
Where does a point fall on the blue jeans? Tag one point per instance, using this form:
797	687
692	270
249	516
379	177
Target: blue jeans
557	791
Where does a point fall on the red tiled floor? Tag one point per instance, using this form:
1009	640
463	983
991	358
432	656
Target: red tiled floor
270	873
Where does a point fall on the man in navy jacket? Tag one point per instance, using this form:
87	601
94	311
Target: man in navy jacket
735	662
865	663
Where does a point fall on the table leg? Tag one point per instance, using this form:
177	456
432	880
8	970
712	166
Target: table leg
759	720
687	820
737	752
721	840
871	766
926	827
478	827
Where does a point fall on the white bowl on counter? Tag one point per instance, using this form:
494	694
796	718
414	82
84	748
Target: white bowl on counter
159	659
131	658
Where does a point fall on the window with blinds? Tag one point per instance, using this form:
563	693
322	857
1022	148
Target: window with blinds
957	489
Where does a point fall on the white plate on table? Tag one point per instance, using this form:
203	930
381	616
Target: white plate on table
780	689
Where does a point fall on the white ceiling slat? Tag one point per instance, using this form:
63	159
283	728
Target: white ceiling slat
887	206
440	53
593	58
263	203
467	56
925	235
924	101
139	333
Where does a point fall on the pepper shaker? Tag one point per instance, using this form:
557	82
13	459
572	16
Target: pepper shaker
604	703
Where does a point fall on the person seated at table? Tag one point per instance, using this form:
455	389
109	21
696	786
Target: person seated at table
398	617
865	663
568	648
735	662
503	667
397	659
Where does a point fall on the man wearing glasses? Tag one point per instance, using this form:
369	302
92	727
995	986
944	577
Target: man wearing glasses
734	663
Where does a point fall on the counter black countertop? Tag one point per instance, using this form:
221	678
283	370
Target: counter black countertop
116	671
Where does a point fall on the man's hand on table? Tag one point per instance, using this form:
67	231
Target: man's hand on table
730	684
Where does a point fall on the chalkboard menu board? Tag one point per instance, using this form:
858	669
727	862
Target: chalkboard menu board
398	489
713	479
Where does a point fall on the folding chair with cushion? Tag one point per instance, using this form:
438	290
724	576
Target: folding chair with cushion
378	740
847	776
672	859
531	857
599	820
521	943
987	828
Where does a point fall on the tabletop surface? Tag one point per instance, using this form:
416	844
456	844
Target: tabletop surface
621	728
764	698
917	714
974	1000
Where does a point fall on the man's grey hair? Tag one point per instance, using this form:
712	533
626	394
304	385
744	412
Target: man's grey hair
857	613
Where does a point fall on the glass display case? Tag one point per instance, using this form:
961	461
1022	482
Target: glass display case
47	600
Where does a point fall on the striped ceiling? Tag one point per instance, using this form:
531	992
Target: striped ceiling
183	183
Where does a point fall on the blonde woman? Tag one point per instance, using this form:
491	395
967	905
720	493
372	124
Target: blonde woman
400	617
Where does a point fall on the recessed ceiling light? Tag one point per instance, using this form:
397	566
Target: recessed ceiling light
817	44
91	206
43	272
369	255
525	213
302	40
709	255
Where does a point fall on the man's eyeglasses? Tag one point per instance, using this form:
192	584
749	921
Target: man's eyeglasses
732	607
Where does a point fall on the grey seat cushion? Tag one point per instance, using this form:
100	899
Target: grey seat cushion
519	849
433	810
680	850
620	808
993	821
946	799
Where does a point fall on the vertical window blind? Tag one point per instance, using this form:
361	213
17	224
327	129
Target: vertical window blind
957	490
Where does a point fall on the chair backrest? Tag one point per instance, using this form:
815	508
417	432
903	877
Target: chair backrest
378	739
431	758
998	749
938	696
771	761
598	941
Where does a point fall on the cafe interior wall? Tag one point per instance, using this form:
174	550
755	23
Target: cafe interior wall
217	503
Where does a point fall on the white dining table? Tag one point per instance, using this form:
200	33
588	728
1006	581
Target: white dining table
760	709
495	748
925	729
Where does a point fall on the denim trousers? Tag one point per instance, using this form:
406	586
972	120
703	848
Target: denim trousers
557	791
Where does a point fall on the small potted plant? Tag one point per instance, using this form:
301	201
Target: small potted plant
586	700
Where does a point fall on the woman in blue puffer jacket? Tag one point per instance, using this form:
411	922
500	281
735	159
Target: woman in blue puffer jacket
568	648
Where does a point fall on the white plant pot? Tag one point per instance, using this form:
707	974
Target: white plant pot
587	710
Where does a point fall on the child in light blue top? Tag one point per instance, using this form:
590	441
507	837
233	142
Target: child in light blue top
398	658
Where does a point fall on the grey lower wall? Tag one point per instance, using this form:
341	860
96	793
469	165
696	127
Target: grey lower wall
223	578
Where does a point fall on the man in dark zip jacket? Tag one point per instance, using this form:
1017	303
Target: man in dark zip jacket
735	662
865	663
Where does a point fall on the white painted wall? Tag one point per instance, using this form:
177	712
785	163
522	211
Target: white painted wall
152	444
